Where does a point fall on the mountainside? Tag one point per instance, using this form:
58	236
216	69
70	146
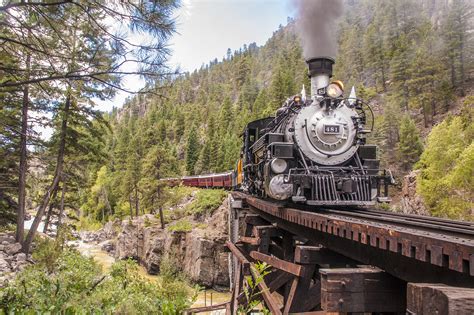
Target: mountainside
410	59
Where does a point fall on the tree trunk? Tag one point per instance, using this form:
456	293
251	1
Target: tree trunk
61	207
136	202
50	211
162	218
57	176
130	203
107	203
461	63
20	220
405	96
425	114
453	72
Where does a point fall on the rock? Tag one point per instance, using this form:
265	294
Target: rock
127	241
7	239
411	202
200	254
20	257
108	246
13	248
4	266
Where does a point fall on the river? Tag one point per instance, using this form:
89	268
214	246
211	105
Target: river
205	297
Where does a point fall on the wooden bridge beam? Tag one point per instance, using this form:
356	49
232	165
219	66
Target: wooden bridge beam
429	298
361	290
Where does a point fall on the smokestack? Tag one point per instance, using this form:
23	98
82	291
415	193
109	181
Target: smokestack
320	70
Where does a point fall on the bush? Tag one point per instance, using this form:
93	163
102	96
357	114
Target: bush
447	166
173	196
75	284
207	201
182	225
88	224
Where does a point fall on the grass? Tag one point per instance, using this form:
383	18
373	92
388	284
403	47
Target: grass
182	225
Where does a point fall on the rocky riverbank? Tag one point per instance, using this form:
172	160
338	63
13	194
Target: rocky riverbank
11	258
199	253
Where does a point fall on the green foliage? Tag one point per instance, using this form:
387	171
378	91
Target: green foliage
88	224
192	151
182	225
409	146
75	284
177	195
206	202
251	289
447	166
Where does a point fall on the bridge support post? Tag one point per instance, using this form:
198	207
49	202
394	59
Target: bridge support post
361	290
429	298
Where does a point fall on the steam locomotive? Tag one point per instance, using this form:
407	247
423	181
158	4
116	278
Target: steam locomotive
313	151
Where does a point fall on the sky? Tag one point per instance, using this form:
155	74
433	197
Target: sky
207	28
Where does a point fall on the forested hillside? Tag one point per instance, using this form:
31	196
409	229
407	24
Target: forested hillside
411	59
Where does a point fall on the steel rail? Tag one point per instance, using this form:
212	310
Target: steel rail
416	217
429	225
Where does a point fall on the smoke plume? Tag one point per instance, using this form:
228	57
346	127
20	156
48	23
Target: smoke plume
316	26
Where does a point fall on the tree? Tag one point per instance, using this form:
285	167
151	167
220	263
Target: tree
457	37
409	146
79	56
192	151
446	165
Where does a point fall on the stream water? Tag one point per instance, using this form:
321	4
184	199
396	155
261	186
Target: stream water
205	298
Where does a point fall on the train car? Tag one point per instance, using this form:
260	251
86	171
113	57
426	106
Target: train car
205	181
227	183
192	181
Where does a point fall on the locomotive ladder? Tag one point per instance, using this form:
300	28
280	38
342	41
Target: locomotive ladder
349	262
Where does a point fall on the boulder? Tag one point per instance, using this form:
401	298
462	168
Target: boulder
127	241
12	249
20	257
4	266
7	239
108	246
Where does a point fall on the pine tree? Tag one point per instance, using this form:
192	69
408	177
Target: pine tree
409	146
192	151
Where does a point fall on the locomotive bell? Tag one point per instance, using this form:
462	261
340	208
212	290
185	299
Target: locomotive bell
320	71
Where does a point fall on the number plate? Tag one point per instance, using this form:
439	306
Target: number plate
331	129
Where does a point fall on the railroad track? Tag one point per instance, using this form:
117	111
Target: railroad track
411	247
435	225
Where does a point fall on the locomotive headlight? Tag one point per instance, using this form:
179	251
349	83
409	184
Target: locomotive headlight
278	166
335	89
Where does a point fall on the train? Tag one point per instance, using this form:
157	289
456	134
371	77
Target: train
312	151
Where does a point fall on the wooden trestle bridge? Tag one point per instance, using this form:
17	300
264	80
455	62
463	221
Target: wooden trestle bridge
336	261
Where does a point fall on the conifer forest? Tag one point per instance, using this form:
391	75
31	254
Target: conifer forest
412	60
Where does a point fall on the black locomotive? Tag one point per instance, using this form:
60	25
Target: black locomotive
314	151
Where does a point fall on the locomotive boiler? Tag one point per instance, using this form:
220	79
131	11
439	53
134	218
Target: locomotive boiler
314	150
